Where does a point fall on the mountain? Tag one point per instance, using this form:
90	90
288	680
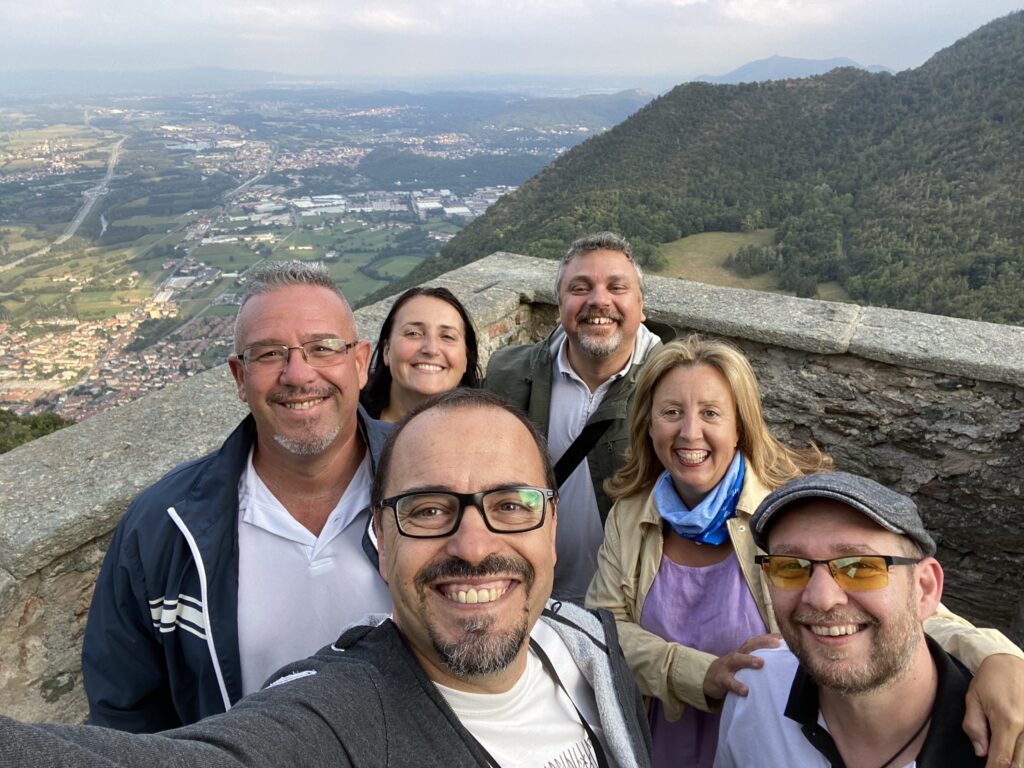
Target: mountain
906	189
784	68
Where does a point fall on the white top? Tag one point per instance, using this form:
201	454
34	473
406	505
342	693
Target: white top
297	591
534	725
755	730
580	531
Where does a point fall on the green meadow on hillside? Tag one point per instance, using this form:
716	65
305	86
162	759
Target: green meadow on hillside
702	258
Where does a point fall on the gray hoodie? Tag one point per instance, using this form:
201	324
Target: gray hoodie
364	701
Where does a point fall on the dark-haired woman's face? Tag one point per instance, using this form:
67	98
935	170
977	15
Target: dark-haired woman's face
427	348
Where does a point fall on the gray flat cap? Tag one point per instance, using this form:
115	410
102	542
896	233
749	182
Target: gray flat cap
893	511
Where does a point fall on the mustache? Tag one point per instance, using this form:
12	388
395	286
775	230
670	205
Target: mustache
811	616
283	394
591	314
492	565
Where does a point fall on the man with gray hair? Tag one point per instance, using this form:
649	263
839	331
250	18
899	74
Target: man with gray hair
256	555
577	386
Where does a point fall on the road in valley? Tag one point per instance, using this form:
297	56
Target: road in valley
91	196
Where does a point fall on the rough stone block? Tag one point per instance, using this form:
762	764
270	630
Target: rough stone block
987	351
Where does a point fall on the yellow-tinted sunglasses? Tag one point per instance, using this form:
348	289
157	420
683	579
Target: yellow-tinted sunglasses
857	573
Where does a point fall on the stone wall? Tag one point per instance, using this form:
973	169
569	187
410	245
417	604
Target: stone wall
931	406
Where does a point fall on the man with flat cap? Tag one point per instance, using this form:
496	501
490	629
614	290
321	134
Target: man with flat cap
852	575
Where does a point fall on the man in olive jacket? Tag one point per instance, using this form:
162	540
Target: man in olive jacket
582	377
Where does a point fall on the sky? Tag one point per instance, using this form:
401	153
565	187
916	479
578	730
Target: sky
349	40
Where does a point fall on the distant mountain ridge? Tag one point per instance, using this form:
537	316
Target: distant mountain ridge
784	68
168	82
906	189
85	83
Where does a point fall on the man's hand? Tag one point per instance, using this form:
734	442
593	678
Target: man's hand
721	675
995	705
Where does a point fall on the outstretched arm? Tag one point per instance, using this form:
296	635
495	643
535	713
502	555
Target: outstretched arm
994	719
312	721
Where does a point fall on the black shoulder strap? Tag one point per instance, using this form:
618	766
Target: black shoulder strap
580	447
595	743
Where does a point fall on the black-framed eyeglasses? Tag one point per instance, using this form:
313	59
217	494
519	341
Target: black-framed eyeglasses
319	353
857	573
432	514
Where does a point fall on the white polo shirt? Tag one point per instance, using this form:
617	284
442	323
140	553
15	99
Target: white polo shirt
297	591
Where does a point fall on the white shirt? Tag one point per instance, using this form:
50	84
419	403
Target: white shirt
754	730
297	591
580	531
534	724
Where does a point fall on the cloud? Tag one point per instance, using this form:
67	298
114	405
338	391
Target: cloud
385	20
779	13
677	38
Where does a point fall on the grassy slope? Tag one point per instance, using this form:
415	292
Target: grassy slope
702	257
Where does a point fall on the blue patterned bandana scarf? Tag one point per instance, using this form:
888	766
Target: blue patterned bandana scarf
705	523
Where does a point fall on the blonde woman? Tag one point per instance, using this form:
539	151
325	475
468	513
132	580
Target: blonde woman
677	564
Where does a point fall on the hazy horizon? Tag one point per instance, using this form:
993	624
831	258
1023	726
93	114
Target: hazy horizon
387	42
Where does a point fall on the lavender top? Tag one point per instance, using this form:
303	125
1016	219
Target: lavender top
710	609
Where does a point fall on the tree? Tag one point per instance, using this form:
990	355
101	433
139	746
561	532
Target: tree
15	430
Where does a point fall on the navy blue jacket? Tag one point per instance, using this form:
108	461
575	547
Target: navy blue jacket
161	642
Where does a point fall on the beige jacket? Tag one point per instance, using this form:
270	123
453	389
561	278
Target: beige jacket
629	560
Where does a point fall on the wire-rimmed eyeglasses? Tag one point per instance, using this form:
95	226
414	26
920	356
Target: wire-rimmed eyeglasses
319	353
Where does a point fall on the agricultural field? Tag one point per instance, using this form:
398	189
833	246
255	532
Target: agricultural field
99	305
396	266
354	284
85	258
19	239
31	148
227	257
702	258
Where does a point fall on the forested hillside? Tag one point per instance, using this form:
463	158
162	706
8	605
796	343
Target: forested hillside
907	189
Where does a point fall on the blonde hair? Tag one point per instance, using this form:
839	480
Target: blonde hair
773	462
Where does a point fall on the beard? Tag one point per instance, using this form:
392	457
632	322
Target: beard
310	444
598	346
888	658
313	440
479	649
479	652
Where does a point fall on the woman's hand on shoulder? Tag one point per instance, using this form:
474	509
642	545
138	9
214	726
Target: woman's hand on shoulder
721	675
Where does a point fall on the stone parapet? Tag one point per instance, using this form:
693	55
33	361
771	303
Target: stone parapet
931	406
60	497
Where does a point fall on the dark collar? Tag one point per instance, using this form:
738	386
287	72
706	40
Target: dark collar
946	744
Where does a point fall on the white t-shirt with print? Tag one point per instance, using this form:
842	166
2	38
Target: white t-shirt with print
534	724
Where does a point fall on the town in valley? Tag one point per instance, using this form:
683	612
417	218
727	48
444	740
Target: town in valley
127	224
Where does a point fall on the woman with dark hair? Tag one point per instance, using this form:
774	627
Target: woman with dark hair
427	345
